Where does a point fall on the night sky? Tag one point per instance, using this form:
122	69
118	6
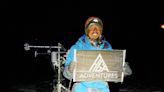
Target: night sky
135	28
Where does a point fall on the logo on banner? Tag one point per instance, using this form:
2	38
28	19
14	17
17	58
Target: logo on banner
99	65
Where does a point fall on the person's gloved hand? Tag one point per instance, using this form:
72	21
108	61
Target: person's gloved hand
126	69
72	66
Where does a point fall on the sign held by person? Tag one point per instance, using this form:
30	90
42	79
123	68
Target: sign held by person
106	65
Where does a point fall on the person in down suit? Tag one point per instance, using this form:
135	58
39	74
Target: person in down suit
91	40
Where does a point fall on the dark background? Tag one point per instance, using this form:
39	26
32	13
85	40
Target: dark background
134	26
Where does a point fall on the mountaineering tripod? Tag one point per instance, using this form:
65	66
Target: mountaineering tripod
56	60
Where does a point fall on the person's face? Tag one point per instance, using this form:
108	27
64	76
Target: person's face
94	32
